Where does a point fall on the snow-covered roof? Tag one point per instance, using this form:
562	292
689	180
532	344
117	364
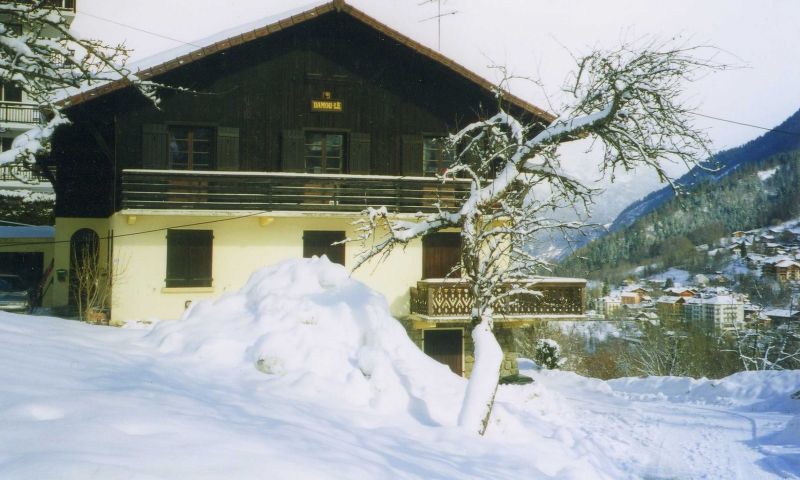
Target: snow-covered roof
168	60
27	232
780	312
670	299
786	264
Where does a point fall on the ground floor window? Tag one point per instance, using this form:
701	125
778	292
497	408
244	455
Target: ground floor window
321	243
189	254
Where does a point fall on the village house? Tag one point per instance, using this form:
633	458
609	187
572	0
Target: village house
670	307
721	312
278	139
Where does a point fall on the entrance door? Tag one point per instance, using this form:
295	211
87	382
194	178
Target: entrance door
445	346
440	253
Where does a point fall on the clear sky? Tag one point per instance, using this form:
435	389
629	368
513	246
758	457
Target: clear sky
535	38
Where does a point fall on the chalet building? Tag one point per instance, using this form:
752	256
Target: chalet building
670	307
283	136
786	270
680	292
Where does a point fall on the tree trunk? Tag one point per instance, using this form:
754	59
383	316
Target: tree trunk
479	397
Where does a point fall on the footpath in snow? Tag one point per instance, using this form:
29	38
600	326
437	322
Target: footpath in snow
303	374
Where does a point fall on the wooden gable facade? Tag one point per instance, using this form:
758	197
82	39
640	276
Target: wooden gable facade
334	80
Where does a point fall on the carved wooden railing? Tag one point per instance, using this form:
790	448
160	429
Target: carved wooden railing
452	298
281	191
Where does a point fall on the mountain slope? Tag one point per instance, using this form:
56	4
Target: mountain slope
784	138
753	195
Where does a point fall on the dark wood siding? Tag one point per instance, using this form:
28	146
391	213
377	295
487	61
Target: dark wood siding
263	89
447	347
440	253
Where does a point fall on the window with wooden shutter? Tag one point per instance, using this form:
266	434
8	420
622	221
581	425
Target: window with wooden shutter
411	146
319	243
189	258
441	252
292	144
154	146
324	152
360	153
191	147
227	148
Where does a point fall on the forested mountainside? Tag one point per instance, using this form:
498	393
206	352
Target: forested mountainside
782	139
754	195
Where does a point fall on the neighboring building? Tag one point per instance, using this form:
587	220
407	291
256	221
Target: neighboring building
290	131
680	292
780	315
17	113
787	270
609	304
722	311
670	307
28	252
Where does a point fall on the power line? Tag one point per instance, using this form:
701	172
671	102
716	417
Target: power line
132	234
745	124
84	12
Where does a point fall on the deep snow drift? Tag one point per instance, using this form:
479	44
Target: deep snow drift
303	374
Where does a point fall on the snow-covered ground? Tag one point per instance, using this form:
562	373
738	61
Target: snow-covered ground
303	375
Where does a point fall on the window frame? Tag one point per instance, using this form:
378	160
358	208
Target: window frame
213	131
343	159
442	163
184	248
3	92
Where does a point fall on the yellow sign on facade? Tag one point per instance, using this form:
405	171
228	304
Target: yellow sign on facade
326	105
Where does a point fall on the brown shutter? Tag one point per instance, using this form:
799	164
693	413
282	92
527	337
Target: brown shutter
154	146
227	148
359	153
441	252
319	243
412	155
292	144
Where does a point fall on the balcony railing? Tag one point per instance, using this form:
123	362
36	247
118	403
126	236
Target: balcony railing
281	191
451	298
18	173
20	113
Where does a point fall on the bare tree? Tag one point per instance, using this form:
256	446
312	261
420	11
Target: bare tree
93	281
629	100
760	348
41	55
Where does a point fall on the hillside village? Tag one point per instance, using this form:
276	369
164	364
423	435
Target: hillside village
720	299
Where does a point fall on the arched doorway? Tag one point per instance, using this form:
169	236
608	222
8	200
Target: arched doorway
84	253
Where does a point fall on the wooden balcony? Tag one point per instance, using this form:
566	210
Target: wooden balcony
450	299
20	113
281	191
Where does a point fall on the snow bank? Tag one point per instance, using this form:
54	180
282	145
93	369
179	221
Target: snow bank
753	391
307	325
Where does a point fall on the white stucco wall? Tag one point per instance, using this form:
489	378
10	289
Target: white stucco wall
240	246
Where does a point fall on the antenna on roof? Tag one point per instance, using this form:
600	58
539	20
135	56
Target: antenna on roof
438	18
